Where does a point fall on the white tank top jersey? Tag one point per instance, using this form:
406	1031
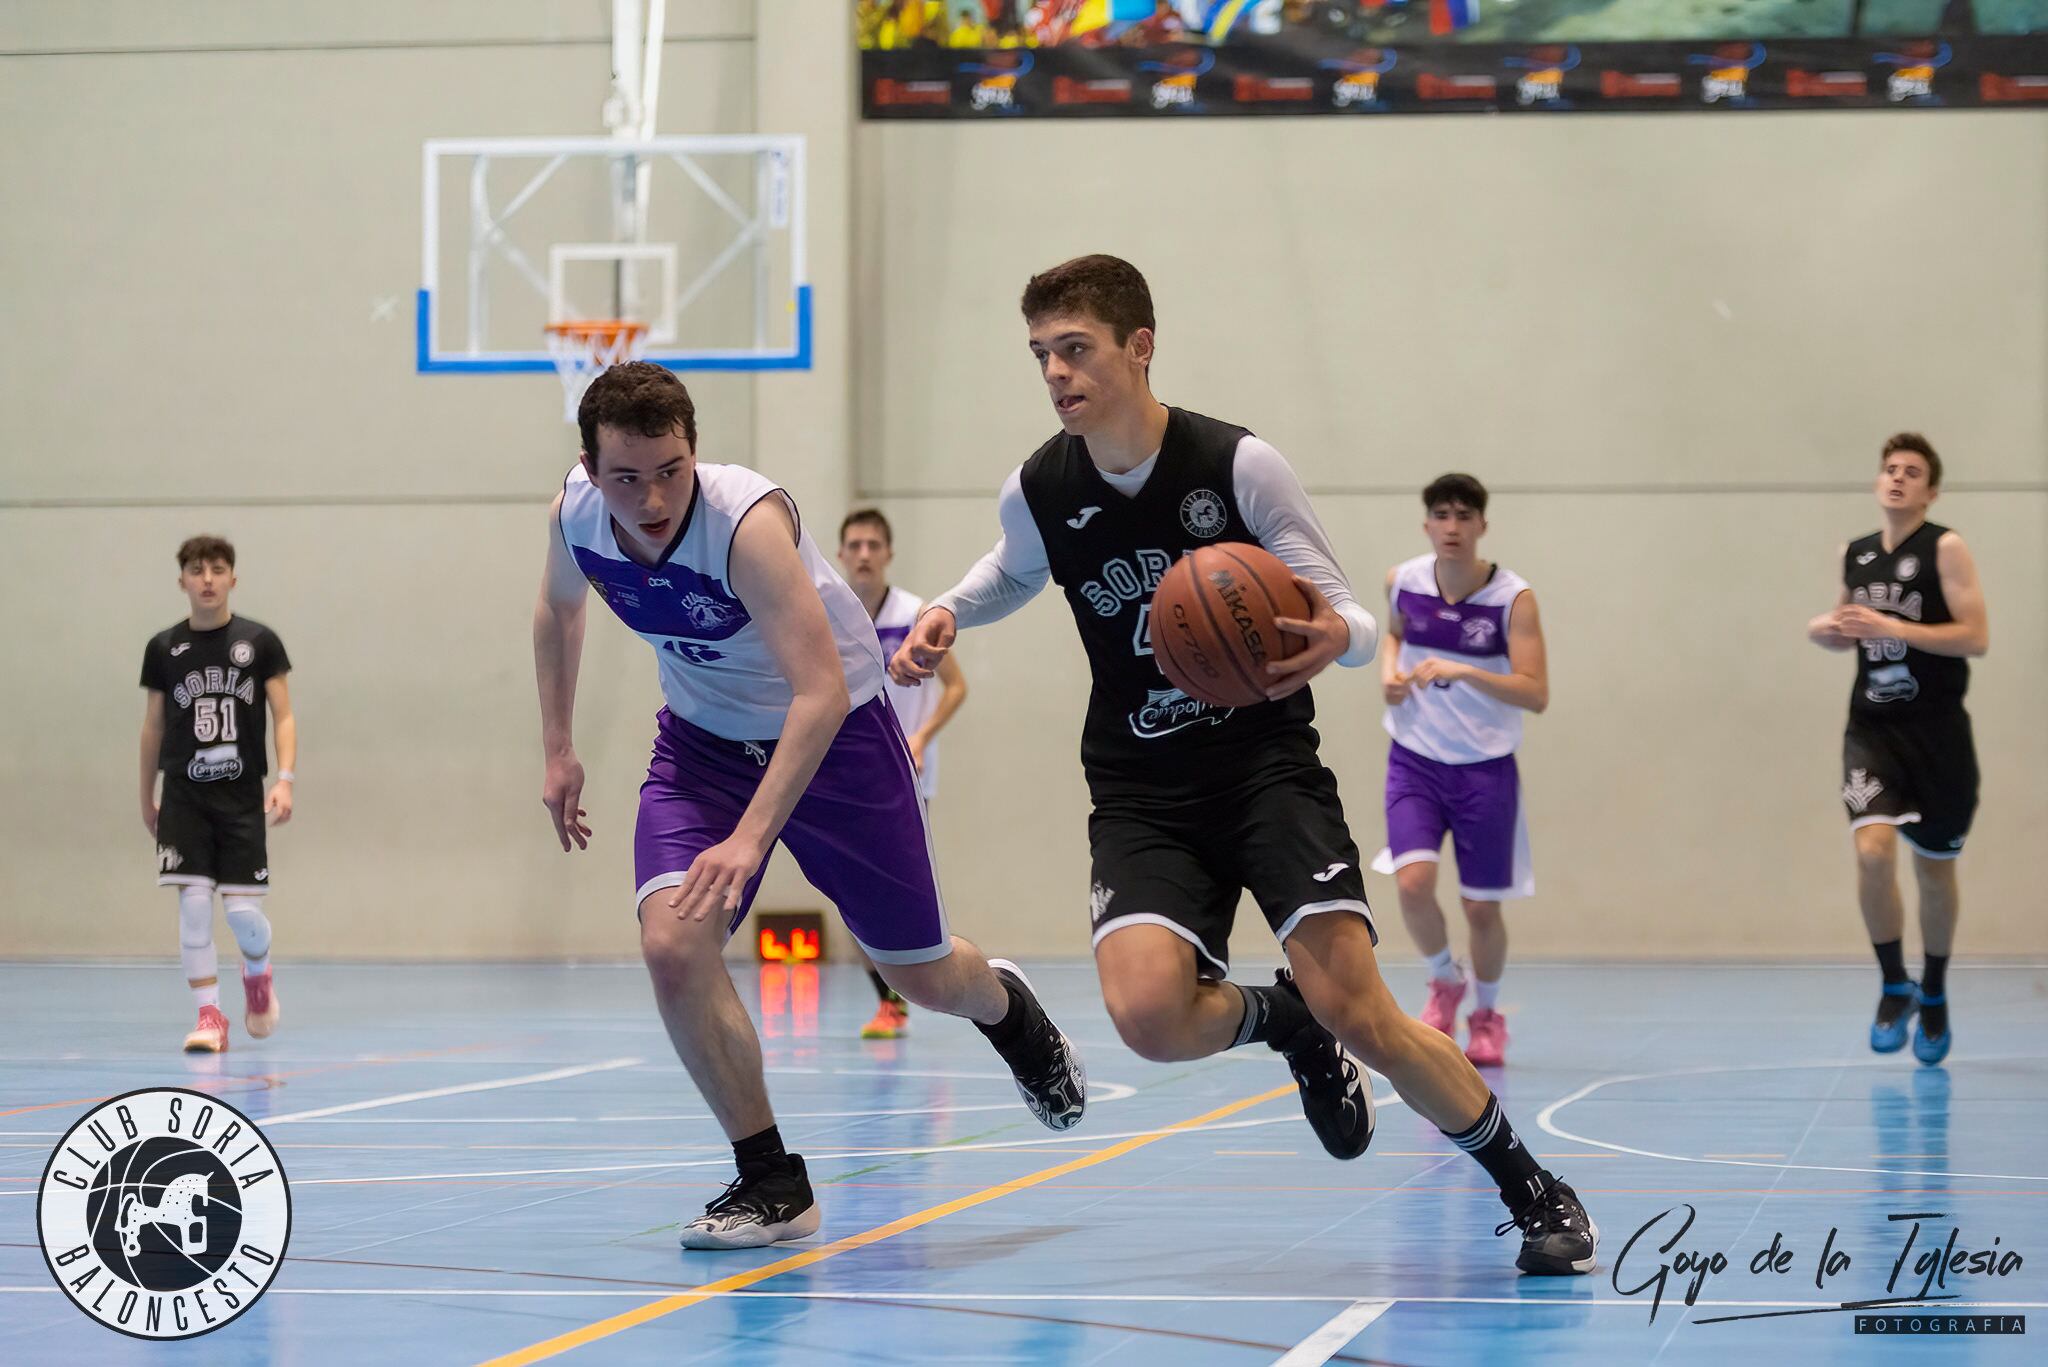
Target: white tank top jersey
914	706
1454	723
716	670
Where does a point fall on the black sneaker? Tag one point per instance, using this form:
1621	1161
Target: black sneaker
758	1211
1049	1073
1558	1237
1336	1093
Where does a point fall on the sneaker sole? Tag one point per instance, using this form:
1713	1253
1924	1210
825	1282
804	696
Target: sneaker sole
205	1046
1559	1267
802	1226
1080	1064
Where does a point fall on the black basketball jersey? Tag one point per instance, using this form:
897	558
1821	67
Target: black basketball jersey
1892	679
1108	551
215	709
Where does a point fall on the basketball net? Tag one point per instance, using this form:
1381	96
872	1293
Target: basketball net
583	349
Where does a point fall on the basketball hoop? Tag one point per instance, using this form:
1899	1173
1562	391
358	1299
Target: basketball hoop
585	348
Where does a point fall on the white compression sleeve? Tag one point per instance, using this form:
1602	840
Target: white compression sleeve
195	934
1007	577
1276	508
252	932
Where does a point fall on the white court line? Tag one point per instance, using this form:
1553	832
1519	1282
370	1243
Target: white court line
265	1122
1054	1297
814	1155
1319	1347
1544	1120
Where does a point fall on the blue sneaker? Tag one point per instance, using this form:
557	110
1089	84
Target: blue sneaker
1894	1009
1929	1049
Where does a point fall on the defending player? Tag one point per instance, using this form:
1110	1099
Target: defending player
774	729
1469	663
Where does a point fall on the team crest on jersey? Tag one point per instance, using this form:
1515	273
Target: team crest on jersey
1859	790
1168	710
709	614
1202	513
241	653
1909	565
1478	634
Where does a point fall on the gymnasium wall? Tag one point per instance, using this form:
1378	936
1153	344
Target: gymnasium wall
1672	345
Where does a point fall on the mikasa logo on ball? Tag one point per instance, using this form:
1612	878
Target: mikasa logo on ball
164	1213
1201	512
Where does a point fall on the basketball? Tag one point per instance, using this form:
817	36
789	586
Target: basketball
1212	626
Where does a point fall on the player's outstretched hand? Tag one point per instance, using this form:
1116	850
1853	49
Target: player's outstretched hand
562	793
930	638
716	879
279	803
1326	633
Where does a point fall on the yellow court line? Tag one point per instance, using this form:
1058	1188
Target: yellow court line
654	1310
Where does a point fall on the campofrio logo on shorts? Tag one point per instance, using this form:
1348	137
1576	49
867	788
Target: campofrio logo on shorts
164	1213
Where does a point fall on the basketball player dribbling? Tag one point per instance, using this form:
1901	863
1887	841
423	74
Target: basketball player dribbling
1912	610
1192	803
867	547
774	729
216	684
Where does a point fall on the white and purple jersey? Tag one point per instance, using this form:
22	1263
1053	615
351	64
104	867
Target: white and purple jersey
1454	723
914	706
717	672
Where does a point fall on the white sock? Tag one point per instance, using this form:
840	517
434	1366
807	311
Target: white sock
1485	994
1442	969
252	933
195	943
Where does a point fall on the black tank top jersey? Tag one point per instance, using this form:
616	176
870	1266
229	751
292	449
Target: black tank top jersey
216	712
1892	679
1108	551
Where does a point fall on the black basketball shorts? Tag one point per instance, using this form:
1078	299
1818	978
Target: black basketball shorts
212	839
1919	775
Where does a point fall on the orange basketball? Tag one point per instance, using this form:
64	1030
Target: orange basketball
1212	622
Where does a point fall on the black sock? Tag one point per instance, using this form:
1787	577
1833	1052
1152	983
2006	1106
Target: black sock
1892	960
760	1155
882	988
1494	1143
1008	1033
1934	983
1272	1016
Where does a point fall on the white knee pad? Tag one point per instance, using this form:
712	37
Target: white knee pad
195	934
251	928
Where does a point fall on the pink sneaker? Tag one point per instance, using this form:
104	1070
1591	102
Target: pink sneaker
261	1000
1442	1011
211	1034
1487	1042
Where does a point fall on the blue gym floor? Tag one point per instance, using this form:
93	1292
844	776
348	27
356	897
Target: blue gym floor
491	1162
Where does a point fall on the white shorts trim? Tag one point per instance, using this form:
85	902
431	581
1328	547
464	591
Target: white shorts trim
656	884
244	889
184	880
1909	819
1146	918
906	956
1942	855
1386	861
1288	926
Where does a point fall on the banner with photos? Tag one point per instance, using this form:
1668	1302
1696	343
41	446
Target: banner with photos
978	59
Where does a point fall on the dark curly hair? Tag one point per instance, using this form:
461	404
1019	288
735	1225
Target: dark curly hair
638	397
1106	288
197	550
1919	446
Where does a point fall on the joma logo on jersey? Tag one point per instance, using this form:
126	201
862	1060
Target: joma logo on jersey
1892	598
1122	582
